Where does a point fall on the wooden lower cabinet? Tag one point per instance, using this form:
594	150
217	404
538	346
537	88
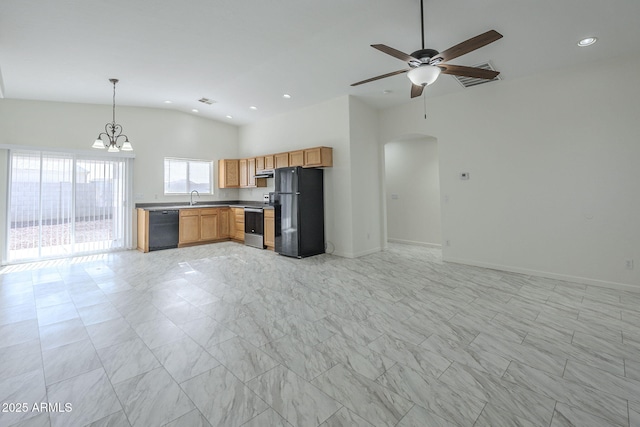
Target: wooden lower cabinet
189	226
238	221
143	229
204	225
209	224
237	233
269	228
224	221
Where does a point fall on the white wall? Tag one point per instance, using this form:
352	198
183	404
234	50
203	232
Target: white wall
4	158
154	133
366	179
412	175
325	124
553	162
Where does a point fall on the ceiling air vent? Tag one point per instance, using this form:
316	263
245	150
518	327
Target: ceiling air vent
472	81
206	101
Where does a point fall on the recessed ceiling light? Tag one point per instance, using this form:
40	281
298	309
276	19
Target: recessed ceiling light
253	107
168	102
194	110
286	96
229	117
588	41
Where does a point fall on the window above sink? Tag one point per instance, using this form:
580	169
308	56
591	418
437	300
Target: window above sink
182	176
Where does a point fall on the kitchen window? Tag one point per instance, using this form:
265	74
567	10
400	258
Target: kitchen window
182	176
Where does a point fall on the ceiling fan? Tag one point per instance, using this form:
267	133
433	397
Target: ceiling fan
425	65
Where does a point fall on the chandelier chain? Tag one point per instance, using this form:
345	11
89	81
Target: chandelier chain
114	101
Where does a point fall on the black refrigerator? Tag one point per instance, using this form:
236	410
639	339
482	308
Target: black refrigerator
299	211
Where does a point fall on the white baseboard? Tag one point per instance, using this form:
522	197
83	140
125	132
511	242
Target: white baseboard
367	252
341	254
415	243
547	274
357	254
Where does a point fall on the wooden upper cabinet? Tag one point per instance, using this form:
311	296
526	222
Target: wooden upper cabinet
318	157
296	158
228	173
244	173
260	164
240	173
248	174
269	162
251	172
281	160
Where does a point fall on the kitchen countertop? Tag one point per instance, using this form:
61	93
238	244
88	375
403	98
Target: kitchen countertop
204	204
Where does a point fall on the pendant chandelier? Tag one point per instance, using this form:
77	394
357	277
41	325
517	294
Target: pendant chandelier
113	132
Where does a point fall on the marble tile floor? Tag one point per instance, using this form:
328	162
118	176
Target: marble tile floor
228	335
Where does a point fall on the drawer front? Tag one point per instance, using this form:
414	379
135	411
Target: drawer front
189	212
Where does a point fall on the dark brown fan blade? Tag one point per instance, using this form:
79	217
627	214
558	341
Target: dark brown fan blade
394	52
466	46
380	77
461	70
416	90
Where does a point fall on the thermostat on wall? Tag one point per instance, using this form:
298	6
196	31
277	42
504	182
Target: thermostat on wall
464	175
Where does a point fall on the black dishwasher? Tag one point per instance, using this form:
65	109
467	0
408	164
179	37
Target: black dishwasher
163	229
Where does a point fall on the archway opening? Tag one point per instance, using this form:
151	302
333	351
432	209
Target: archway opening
412	188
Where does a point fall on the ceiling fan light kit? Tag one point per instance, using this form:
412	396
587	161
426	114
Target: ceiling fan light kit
424	75
425	65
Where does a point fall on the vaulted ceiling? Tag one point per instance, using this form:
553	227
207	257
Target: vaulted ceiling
249	53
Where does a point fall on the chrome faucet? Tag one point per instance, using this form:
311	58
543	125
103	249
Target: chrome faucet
191	202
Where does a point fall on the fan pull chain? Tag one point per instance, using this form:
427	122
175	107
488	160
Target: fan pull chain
424	98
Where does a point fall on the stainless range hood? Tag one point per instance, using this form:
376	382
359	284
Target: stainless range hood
267	173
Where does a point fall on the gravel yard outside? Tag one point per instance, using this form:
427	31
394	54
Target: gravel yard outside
57	238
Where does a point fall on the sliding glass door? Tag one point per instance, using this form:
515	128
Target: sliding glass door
66	204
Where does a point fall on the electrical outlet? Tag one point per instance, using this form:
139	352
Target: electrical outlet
629	264
447	243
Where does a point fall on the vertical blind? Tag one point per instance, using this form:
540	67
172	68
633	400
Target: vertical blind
65	204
